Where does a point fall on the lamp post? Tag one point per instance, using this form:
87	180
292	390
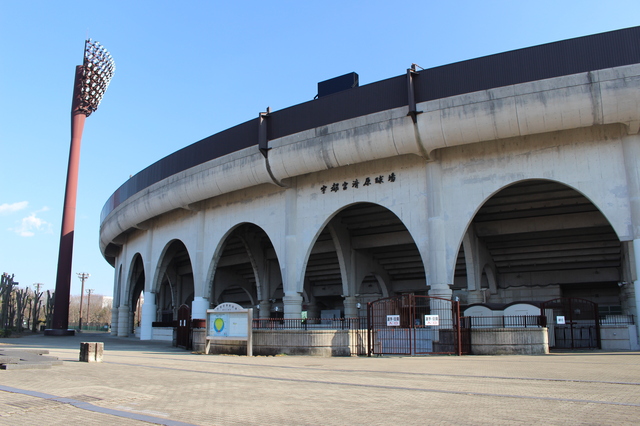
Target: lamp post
83	276
91	81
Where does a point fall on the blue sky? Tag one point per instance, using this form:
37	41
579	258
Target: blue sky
186	70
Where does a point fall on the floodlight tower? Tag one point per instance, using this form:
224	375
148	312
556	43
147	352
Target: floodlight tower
91	81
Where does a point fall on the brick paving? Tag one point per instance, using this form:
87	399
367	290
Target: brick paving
151	382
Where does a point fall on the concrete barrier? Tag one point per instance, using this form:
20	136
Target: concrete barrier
618	337
289	342
493	341
509	341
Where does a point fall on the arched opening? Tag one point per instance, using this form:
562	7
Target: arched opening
136	286
540	240
365	252
175	282
247	272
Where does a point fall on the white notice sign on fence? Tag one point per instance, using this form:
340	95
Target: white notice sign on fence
393	320
431	320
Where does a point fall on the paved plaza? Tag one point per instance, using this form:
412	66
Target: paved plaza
153	383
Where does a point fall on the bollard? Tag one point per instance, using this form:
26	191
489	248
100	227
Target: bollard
91	351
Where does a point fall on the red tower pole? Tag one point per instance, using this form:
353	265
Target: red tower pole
65	255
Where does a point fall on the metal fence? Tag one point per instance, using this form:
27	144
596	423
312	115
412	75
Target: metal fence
617	320
508	321
90	327
411	324
309	324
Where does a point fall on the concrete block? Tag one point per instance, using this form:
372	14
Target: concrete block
91	351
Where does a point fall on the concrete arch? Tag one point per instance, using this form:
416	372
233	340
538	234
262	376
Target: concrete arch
164	259
256	257
382	285
173	283
136	269
535	239
126	306
244	288
321	226
358	240
597	203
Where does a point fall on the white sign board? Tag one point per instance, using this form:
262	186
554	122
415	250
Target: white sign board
431	320
560	320
230	321
393	320
231	324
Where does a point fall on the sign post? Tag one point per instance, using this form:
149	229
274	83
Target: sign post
230	321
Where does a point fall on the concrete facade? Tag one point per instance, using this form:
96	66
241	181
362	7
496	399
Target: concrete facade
260	231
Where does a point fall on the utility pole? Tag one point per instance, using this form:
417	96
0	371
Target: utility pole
83	276
89	291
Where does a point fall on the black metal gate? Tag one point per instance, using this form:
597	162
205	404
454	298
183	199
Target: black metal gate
573	323
415	325
183	332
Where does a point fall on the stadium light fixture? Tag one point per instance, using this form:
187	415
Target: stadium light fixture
91	81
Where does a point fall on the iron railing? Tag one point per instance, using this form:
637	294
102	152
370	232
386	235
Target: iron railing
508	321
617	320
309	324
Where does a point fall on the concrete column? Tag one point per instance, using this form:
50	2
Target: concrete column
292	305
265	309
350	307
199	307
636	283
440	308
631	149
114	320
438	268
148	316
123	321
440	290
200	268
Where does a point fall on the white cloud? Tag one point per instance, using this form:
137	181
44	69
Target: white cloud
12	208
32	224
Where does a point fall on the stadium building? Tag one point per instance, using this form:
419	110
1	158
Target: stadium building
507	180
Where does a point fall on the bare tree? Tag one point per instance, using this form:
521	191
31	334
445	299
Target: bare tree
7	309
97	314
35	310
21	296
